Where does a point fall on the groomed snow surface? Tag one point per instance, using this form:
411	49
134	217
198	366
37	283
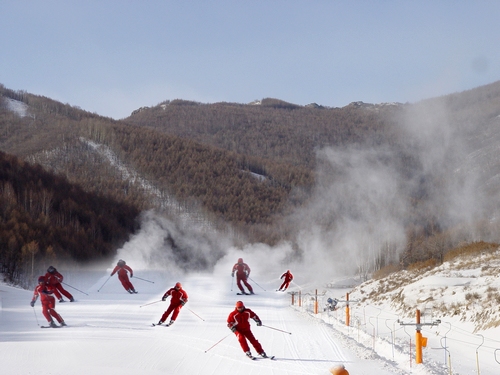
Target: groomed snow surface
109	332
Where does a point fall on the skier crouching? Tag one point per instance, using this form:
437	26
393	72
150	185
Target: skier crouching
54	278
238	322
178	299
122	268
242	273
48	302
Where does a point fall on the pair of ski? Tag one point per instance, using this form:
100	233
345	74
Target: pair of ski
244	294
163	325
52	326
253	358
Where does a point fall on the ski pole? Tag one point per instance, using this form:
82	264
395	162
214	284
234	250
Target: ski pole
195	314
276	329
216	343
152	282
74	288
297	284
151	303
36	317
104	283
256	283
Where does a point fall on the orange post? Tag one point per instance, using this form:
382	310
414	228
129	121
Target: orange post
293	298
418	341
347	313
300	298
316	302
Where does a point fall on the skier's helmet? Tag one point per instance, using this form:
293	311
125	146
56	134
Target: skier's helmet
41	279
329	300
51	269
178	285
240	260
240	305
121	263
339	370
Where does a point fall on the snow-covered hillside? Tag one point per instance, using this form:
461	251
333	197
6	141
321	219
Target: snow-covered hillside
20	108
458	301
109	331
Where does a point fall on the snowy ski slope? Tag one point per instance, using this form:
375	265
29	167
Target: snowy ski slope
110	333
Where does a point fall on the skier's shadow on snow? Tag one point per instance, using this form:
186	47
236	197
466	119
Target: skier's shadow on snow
310	360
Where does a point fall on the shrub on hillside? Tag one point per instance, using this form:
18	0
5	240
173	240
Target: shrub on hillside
386	271
471	249
423	266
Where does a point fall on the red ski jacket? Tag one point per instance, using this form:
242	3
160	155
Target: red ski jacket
122	271
53	278
240	319
177	296
44	291
288	276
241	269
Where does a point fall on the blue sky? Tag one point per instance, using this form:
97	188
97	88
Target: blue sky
111	57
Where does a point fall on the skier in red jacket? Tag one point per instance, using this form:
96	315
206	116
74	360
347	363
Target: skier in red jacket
48	302
288	278
54	278
122	268
238	322
242	272
178	299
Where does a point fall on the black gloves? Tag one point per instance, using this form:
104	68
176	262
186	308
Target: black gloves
131	275
233	328
32	303
164	298
232	274
259	323
183	303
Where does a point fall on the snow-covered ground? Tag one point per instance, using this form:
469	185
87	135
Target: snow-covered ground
109	331
458	303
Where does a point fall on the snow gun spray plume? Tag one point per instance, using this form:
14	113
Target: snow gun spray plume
163	244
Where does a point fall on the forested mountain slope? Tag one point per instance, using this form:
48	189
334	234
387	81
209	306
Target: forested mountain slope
272	170
44	217
67	140
440	152
273	129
